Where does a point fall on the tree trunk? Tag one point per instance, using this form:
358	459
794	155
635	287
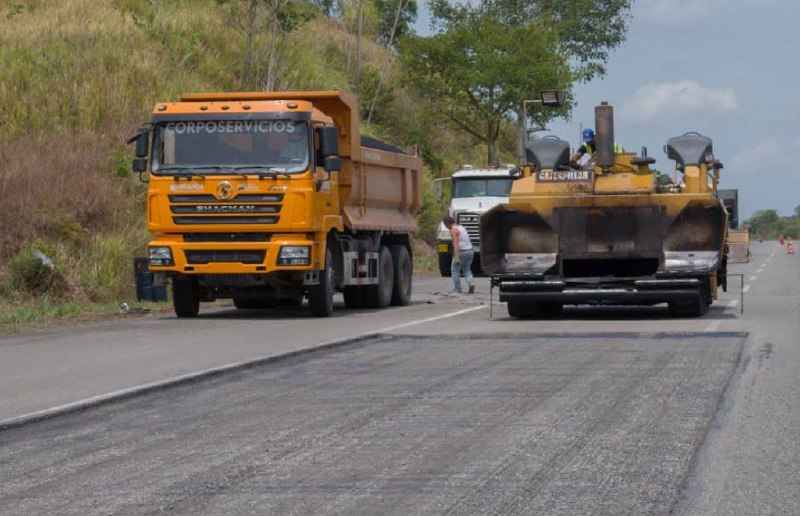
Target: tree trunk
491	142
522	135
248	56
272	57
386	59
357	78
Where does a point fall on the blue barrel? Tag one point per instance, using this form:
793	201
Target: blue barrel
146	289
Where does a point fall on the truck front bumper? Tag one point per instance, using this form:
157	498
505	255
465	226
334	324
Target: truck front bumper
234	257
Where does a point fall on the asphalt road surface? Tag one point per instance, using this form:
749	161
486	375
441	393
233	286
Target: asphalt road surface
596	411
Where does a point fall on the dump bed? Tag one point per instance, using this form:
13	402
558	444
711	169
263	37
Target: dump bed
380	188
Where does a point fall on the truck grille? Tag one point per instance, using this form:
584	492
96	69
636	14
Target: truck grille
227	237
472	223
203	257
243	209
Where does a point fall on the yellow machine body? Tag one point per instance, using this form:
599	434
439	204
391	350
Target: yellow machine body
606	235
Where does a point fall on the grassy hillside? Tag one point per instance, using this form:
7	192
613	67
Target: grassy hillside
77	77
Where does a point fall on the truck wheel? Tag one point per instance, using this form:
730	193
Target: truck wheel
295	300
690	308
253	304
380	295
353	296
515	309
185	297
403	272
320	299
444	264
522	310
546	309
243	304
477	269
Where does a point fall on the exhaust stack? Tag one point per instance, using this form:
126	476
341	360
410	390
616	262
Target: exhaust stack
604	125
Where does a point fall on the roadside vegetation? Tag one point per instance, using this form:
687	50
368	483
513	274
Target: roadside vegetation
78	77
770	225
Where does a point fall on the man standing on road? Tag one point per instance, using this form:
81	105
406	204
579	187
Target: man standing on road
462	255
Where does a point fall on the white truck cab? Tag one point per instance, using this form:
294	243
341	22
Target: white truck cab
474	191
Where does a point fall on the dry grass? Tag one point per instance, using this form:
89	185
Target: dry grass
78	76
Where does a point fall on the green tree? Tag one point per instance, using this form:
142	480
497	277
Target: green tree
396	17
276	19
765	222
588	30
477	72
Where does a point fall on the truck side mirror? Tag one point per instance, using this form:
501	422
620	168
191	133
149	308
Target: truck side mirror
328	142
142	140
139	165
332	163
437	188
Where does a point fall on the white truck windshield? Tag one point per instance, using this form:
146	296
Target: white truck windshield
220	145
482	187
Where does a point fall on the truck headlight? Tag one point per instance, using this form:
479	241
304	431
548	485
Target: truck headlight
294	255
442	233
160	256
691	261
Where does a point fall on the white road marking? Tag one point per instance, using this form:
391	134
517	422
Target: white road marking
145	387
759	271
712	326
429	319
746	288
733	303
752	278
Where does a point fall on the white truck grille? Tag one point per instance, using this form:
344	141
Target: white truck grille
471	222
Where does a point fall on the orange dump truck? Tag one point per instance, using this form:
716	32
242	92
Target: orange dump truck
272	198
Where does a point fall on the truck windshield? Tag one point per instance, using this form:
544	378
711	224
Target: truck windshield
482	187
217	146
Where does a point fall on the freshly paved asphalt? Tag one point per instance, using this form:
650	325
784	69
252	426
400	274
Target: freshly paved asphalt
594	411
398	425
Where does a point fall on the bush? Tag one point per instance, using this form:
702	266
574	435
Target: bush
27	273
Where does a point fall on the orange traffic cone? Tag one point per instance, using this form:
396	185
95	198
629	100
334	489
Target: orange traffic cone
790	248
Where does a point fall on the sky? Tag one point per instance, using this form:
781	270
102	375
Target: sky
729	69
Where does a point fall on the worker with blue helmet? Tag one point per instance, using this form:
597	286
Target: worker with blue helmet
589	145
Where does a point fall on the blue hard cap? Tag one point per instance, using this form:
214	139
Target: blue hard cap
588	135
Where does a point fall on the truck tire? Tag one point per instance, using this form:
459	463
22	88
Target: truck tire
243	304
444	264
690	308
515	309
353	296
403	273
476	267
524	310
253	304
295	300
320	298
185	297
380	295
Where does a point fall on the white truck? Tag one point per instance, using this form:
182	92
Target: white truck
473	193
